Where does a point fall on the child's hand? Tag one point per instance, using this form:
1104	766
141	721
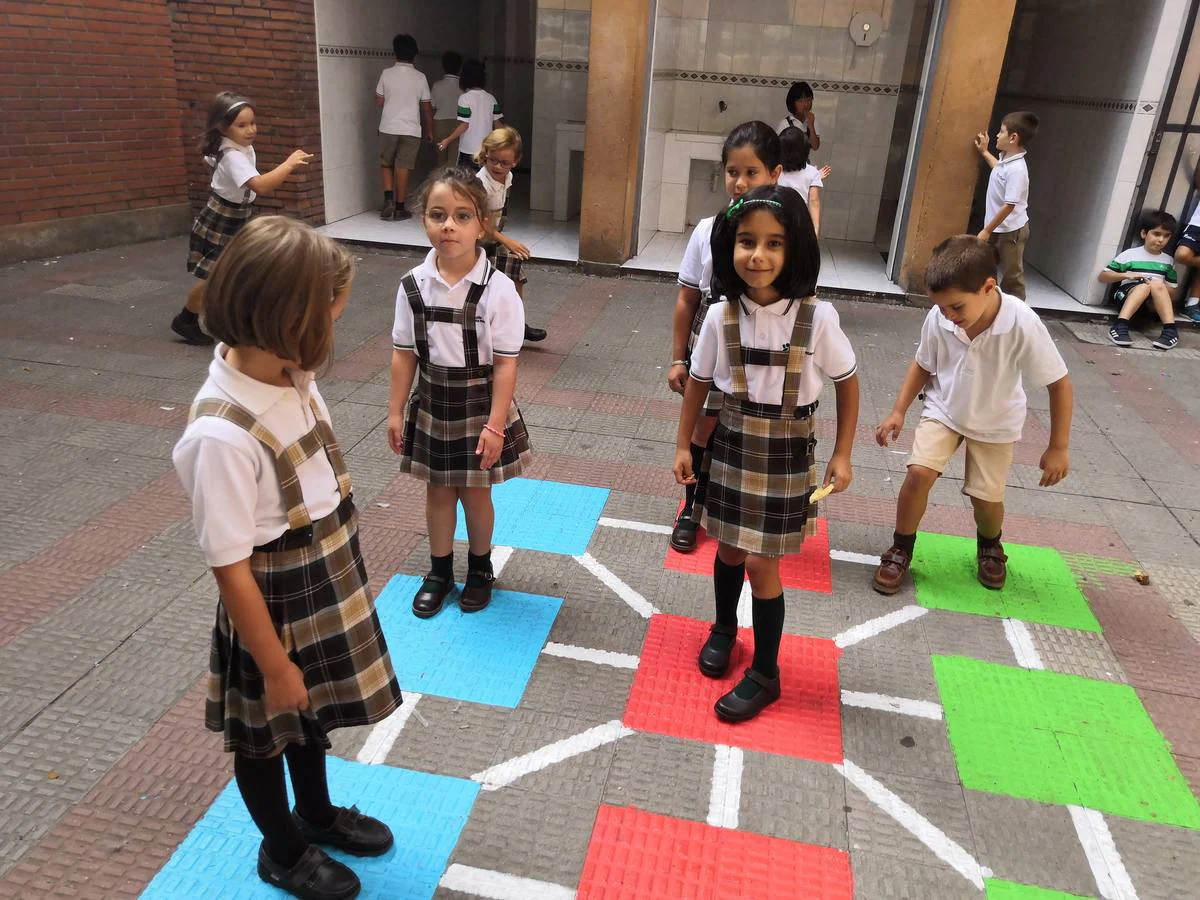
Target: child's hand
517	249
395	433
889	429
838	473
810	121
677	377
285	690
981	142
683	467
984	235
488	449
825	172
1054	466
299	158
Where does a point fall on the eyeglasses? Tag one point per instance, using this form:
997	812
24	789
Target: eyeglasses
500	163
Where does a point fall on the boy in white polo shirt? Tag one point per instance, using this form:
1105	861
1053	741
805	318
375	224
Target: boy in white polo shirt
1006	219
979	348
403	95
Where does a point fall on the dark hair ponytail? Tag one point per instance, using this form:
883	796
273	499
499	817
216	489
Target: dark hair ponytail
221	114
760	137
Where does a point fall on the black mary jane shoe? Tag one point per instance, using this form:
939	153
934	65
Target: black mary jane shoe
431	595
477	591
733	708
683	535
714	659
534	335
314	877
351	832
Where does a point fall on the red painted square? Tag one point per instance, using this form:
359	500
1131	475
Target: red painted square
807	570
670	695
636	855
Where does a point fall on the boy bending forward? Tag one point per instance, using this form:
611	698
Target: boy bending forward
978	348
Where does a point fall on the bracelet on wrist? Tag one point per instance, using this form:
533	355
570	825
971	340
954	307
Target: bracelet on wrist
487	427
679	362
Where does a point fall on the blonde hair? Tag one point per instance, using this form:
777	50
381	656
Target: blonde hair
273	288
502	138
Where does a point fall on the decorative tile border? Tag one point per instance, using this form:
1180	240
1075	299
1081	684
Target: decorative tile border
844	87
561	65
1099	104
357	52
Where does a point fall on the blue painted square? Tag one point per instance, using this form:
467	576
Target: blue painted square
543	515
425	812
483	657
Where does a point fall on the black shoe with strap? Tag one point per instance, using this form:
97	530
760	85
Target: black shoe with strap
314	877
477	591
190	331
683	535
431	595
733	708
715	654
533	335
351	832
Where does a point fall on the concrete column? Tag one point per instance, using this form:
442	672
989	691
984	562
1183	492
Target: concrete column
962	91
618	60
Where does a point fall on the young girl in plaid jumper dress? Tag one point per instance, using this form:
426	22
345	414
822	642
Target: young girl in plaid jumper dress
458	331
767	347
750	158
228	148
297	649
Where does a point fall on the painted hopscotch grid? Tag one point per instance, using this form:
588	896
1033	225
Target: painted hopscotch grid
549	516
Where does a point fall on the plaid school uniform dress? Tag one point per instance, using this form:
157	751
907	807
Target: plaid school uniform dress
447	411
761	463
498	254
215	227
315	584
712	403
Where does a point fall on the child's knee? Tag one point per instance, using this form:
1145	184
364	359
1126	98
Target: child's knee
1185	256
921	477
731	555
761	567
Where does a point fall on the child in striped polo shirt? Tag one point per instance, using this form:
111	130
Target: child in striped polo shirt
1145	272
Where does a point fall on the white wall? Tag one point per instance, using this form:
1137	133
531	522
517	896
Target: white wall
559	86
1095	74
354	44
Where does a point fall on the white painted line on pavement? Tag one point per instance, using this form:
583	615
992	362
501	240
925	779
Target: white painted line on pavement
1112	879
500	886
500	558
726	799
634	526
876	627
505	773
1021	640
745	609
942	845
636	601
381	738
587	654
864	559
923	709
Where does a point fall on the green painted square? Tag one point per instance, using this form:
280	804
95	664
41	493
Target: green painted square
1040	586
1060	739
1010	890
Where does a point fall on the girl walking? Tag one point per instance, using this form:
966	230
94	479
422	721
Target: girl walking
766	347
460	323
228	148
751	158
497	157
478	113
297	649
801	175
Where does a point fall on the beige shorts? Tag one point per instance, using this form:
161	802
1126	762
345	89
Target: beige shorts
987	464
398	151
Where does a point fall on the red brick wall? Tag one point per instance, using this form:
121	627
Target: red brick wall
267	50
85	100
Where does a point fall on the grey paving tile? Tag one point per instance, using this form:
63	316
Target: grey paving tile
887	743
795	799
879	876
958	634
588	690
663	775
1076	653
940	802
1161	860
581	777
449	737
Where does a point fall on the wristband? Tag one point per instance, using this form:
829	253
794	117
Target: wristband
487	427
679	362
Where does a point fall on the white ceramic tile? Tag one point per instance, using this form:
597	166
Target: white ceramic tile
860	63
666	43
808	12
573	96
576	33
670	8
693	36
843	159
864	211
695	9
832	45
549	34
672	207
835	214
872	166
687	107
720	47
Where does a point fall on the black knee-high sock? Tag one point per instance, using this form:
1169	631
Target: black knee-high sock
260	782
727	588
689	491
768	632
306	765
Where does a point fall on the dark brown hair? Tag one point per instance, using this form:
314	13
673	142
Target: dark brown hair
462	181
1023	124
960	263
222	112
802	261
273	288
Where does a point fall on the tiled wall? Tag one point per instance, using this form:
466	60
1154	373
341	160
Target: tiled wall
747	54
1083	77
559	86
506	41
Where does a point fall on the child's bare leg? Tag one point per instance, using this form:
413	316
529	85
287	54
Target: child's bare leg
385	174
914	498
760	686
989	517
401	181
1164	305
195	299
1133	300
441	507
481	518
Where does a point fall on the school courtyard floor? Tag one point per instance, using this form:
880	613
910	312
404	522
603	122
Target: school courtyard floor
947	742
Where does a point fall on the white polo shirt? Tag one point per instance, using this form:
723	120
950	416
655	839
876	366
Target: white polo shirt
497	191
236	501
977	388
481	111
403	89
790	121
695	271
829	353
1008	183
445	93
802	180
499	315
237	166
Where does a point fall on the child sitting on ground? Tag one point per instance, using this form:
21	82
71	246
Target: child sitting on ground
1145	272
